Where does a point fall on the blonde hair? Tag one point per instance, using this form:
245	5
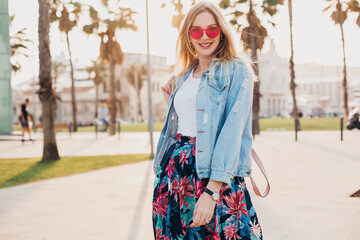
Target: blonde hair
185	51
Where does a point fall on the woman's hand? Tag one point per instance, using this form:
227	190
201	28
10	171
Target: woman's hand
204	208
166	88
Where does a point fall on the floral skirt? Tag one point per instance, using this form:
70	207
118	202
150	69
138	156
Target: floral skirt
177	187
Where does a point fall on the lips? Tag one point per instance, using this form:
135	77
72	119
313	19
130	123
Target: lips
205	44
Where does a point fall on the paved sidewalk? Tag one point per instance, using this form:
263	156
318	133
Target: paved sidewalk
80	144
311	182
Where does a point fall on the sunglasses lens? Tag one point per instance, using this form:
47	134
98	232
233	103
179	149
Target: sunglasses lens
212	32
196	33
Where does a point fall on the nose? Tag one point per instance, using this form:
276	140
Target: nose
204	36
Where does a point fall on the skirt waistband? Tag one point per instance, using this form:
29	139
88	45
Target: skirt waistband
183	138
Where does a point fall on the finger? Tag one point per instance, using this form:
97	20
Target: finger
171	79
194	215
196	220
168	88
199	219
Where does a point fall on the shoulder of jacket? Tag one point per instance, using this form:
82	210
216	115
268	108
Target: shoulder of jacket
242	72
241	66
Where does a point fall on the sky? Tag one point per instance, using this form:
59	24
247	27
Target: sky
316	38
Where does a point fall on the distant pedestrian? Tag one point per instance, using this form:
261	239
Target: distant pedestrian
25	120
103	113
300	114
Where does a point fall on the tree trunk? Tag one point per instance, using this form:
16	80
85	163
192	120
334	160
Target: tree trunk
344	83
46	92
96	100
139	107
138	100
254	59
292	70
73	100
112	100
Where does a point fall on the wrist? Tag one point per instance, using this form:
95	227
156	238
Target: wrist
214	195
214	186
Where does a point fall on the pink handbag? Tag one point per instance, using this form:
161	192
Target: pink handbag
261	166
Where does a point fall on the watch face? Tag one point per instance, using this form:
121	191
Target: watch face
216	196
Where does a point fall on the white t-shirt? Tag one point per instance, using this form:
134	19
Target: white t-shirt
185	106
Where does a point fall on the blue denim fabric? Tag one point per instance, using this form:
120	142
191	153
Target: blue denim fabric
224	138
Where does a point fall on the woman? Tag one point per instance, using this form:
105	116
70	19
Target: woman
204	149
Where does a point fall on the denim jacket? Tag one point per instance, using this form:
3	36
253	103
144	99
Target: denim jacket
223	138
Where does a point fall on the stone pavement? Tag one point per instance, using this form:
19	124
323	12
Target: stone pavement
311	182
80	144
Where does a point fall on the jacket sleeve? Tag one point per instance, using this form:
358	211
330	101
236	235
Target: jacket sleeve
235	136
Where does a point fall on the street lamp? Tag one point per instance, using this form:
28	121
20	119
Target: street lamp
149	83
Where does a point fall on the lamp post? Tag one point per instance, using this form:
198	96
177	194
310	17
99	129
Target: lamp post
149	83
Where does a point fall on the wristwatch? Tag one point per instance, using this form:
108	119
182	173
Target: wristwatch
214	195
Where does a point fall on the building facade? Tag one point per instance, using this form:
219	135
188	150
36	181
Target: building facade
86	93
6	124
319	88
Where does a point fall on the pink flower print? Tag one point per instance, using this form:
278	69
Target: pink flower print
230	233
178	136
170	167
183	158
193	150
199	187
215	232
235	203
185	191
159	235
175	189
255	229
161	203
192	140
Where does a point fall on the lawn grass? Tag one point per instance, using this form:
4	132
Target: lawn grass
307	124
266	124
19	171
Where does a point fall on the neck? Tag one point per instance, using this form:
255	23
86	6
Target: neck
204	63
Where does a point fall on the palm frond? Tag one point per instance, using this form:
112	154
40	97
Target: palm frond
327	8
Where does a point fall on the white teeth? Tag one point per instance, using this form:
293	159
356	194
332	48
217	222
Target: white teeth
205	45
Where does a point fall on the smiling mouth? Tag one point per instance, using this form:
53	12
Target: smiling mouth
205	44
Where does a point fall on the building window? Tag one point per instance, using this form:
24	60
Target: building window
104	86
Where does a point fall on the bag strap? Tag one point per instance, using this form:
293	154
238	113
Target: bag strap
261	166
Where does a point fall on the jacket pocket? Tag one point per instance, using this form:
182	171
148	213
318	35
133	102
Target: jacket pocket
217	90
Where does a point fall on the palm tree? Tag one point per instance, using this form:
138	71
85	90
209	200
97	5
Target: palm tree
46	92
292	73
110	50
97	73
253	37
67	21
339	16
136	77
18	45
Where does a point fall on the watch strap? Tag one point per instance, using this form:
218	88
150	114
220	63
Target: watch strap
208	191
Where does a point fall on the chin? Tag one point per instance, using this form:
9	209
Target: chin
206	54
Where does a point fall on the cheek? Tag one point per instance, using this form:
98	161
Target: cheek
216	43
193	42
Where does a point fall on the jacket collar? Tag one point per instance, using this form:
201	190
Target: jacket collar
196	62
